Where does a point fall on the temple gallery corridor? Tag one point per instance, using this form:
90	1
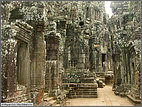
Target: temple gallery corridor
71	53
106	97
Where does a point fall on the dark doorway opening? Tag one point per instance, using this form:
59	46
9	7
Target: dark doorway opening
103	58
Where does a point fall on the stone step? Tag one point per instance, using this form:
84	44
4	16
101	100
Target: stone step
80	78
117	93
83	96
78	75
16	98
52	102
83	91
86	90
77	81
28	101
48	98
134	89
45	95
133	99
83	87
79	93
46	103
43	103
91	87
69	71
86	78
57	105
84	84
135	95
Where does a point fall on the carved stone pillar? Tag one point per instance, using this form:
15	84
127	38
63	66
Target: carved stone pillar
38	60
52	57
101	17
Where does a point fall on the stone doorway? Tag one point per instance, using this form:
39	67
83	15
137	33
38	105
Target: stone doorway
23	62
103	59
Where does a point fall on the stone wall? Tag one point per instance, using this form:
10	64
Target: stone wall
53	39
125	38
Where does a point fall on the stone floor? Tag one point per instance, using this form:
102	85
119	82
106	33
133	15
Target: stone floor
106	97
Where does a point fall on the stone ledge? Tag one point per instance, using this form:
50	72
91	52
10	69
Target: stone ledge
133	99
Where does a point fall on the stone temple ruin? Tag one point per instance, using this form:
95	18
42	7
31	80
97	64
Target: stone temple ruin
53	51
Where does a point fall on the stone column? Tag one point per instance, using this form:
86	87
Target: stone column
87	59
52	58
100	62
96	15
101	17
38	60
